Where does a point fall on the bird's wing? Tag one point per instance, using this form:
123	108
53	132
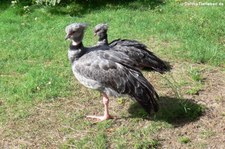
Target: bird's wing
127	42
102	66
140	53
115	54
116	77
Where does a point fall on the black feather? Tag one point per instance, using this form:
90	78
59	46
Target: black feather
146	59
136	51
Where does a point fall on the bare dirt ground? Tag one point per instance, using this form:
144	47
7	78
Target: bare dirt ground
209	130
51	123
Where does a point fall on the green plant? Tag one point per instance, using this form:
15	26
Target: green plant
184	139
195	74
172	83
147	145
194	90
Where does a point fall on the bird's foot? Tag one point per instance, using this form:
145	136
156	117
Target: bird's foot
100	118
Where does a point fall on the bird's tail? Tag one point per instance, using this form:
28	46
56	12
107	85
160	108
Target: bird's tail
152	62
143	92
148	60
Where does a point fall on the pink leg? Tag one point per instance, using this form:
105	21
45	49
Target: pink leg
106	112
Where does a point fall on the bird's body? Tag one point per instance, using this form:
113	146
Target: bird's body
135	50
110	72
104	70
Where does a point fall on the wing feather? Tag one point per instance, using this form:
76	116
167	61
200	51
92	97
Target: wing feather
115	79
140	53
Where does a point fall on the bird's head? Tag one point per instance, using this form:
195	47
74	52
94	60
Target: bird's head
75	31
100	30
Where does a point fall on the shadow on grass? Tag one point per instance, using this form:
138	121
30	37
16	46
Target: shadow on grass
175	111
4	4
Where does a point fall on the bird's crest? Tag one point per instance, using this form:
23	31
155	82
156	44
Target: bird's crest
75	27
101	26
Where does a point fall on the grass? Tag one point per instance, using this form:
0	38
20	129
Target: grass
197	80
38	90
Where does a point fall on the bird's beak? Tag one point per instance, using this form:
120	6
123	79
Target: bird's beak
67	36
95	34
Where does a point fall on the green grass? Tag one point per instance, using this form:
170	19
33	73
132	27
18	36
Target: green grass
197	79
35	69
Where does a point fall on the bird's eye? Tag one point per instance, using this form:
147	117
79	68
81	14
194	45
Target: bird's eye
97	30
71	33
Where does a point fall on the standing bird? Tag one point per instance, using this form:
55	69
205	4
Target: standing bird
134	49
106	70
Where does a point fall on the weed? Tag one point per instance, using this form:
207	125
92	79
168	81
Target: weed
196	79
194	90
174	85
207	133
195	74
184	139
153	144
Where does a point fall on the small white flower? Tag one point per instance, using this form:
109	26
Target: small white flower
25	7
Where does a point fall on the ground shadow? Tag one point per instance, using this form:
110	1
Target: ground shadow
4	4
175	111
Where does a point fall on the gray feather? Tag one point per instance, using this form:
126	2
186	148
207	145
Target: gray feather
110	71
135	50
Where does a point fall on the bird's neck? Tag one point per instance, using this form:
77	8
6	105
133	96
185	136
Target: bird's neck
103	39
75	42
76	45
76	51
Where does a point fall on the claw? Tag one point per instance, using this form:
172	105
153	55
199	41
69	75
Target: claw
100	118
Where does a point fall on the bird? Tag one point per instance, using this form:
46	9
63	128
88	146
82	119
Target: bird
106	70
134	49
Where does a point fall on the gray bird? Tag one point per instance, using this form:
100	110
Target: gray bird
104	69
135	50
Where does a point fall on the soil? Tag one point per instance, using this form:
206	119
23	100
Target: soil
209	130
